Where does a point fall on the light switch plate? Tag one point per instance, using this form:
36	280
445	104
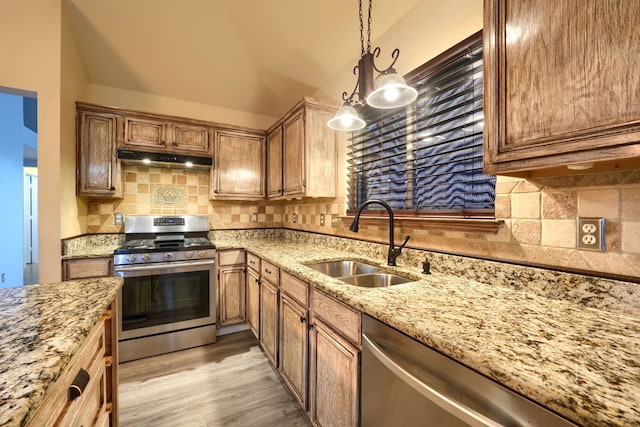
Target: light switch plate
590	235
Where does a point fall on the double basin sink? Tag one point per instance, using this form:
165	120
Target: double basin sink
358	273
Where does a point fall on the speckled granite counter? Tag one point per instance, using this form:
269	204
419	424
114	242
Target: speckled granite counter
569	342
578	361
41	328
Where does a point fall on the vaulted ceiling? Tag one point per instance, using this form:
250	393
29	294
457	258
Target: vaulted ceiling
258	56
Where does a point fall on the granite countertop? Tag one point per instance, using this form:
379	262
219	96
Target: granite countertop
581	362
41	328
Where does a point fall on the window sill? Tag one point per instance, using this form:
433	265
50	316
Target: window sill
470	225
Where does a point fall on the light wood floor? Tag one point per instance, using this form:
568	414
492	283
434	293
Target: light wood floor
229	383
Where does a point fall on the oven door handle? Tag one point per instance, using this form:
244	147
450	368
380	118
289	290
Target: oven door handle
148	267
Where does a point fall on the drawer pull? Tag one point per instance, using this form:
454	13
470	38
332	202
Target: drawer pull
266	270
78	385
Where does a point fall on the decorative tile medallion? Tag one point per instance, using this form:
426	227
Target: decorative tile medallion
168	195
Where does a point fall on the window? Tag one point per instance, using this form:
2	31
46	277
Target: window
426	160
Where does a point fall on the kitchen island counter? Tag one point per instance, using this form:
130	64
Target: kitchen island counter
41	328
581	362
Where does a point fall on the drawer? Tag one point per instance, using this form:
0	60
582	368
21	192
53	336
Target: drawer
295	288
253	262
86	268
343	319
56	404
91	404
270	272
230	257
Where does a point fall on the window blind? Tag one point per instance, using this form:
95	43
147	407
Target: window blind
426	160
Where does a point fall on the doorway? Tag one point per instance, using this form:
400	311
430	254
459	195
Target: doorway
19	175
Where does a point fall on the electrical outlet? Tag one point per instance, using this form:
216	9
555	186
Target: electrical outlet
335	221
254	217
591	234
321	220
118	218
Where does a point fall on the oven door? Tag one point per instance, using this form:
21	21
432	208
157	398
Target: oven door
165	297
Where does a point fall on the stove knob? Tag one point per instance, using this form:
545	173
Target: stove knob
146	257
202	254
131	258
168	255
188	255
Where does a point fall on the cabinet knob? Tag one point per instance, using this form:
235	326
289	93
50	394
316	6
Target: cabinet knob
303	319
163	143
310	326
175	144
112	188
216	191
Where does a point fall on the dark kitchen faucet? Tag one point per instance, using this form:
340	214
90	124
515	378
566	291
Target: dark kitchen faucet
394	252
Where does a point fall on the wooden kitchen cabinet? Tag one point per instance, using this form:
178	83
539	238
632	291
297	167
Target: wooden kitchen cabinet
253	294
86	268
98	171
306	163
269	297
159	134
561	85
231	287
334	359
294	336
98	403
238	171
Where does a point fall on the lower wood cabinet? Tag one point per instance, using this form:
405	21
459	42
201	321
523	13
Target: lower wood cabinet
253	301
294	345
97	405
334	362
231	287
269	294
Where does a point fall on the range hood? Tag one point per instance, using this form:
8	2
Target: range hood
144	158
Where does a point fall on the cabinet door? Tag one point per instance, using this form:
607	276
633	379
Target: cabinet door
189	138
334	362
253	302
98	171
145	133
294	341
231	282
269	320
294	155
238	170
561	83
274	163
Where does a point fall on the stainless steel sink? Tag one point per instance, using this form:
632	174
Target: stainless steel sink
375	280
343	268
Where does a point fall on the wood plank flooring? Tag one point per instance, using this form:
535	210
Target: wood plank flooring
229	383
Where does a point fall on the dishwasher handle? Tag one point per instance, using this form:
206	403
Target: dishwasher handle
450	405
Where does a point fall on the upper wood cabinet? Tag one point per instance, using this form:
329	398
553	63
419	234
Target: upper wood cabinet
305	164
238	166
98	171
158	134
561	84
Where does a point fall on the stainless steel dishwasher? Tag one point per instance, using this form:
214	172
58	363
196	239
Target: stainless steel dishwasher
405	383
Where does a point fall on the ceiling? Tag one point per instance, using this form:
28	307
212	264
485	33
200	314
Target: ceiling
254	56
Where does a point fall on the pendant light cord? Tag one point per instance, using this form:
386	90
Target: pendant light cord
362	51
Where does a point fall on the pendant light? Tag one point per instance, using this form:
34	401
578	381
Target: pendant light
390	91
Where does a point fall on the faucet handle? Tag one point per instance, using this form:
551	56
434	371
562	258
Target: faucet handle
404	242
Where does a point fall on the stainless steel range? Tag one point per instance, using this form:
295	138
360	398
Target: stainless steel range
168	299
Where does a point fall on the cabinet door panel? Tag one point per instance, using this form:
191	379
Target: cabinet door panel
98	168
269	320
560	83
293	347
334	378
274	165
144	133
294	155
253	302
190	138
232	295
238	172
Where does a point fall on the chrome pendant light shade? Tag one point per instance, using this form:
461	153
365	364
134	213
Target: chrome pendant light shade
390	91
